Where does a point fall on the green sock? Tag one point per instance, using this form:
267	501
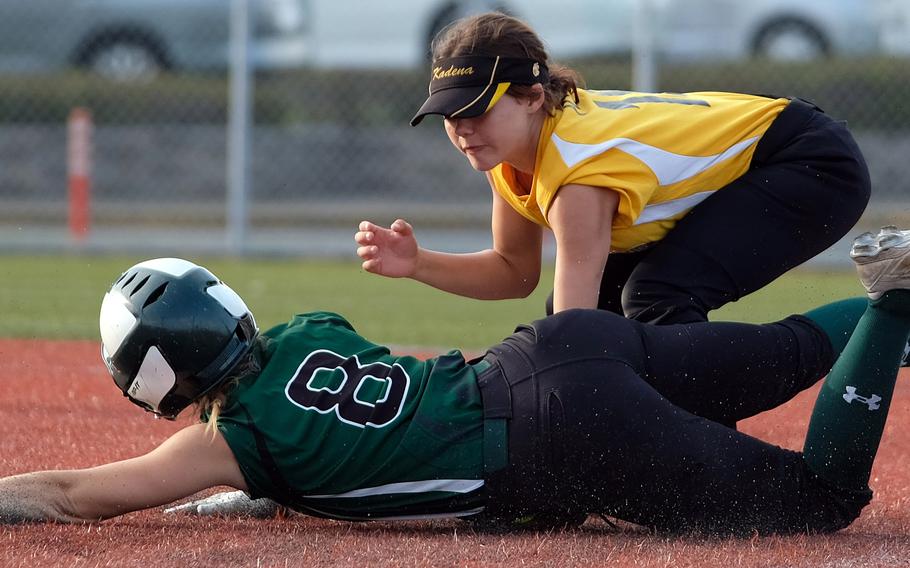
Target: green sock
839	319
852	406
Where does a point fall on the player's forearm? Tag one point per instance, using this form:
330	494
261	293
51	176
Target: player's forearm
577	280
575	294
34	497
484	275
582	219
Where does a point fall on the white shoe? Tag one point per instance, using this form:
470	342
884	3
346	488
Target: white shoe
882	260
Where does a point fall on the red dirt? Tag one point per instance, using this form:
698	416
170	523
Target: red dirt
60	410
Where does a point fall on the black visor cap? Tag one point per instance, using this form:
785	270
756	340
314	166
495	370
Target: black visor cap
463	87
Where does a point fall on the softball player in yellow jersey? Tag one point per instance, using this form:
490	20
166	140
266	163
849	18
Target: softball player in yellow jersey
664	206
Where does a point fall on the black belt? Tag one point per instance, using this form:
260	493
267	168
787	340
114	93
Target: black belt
497	408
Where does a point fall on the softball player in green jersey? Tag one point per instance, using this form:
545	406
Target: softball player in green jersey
396	437
581	412
664	206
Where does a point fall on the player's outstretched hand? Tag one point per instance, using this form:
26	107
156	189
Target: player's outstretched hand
229	503
389	252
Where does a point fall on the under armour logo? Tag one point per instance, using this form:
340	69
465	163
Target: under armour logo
872	401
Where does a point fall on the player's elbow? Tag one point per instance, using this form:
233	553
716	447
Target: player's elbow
68	509
515	276
525	284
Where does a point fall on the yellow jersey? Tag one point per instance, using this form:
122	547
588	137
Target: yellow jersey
664	153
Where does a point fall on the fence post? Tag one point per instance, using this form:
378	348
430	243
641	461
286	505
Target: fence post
238	135
644	67
79	171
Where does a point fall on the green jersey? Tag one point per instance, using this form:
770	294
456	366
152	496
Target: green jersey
336	426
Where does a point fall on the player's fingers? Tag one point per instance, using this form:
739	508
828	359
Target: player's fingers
367	252
402	227
373	265
366	226
364	237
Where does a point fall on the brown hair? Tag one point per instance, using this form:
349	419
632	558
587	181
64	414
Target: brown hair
495	33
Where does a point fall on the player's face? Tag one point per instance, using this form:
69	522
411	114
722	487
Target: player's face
506	133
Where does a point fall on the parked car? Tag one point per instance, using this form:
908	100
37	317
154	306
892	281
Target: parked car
772	29
395	33
127	39
137	38
895	15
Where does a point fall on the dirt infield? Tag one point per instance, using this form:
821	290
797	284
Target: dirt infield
59	409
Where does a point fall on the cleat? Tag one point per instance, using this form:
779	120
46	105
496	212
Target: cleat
864	245
882	260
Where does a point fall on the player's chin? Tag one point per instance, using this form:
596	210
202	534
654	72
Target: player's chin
480	164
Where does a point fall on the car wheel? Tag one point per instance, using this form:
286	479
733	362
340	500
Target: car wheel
124	57
790	39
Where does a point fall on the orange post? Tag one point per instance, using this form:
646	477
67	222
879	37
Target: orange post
79	169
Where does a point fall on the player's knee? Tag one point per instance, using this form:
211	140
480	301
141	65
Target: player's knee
662	304
579	333
570	322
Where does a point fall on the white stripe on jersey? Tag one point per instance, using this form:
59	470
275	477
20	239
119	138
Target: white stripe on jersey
453	514
449	485
669	168
667	209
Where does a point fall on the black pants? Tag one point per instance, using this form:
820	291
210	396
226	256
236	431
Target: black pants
609	415
806	187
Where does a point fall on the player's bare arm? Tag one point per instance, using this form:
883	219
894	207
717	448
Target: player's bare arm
188	462
511	269
581	217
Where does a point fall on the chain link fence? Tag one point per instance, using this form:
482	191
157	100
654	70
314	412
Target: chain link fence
328	146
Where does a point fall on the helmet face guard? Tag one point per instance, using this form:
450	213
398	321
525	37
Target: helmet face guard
171	331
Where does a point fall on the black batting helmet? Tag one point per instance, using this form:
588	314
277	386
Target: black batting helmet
171	331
